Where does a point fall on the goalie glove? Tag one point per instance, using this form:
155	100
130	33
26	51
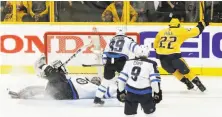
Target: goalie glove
121	95
157	97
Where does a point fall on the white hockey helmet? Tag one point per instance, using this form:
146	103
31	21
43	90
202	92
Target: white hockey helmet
144	51
121	30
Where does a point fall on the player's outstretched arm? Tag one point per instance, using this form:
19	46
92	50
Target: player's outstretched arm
193	32
133	46
47	71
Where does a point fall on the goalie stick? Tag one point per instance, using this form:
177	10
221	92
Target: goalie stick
77	52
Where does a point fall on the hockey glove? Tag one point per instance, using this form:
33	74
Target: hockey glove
121	95
157	97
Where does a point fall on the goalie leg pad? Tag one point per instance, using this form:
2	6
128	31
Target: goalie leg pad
103	88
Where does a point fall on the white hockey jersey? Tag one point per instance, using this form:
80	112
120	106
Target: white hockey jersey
84	89
120	46
139	76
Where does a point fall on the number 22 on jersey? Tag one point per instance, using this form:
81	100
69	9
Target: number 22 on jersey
167	42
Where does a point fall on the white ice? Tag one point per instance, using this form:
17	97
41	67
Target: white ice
177	101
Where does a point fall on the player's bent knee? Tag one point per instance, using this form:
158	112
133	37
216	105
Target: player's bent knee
169	70
149	111
184	71
181	66
109	76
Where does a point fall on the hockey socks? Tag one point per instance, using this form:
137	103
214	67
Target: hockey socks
178	75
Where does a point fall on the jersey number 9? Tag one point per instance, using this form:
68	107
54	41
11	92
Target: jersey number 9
135	73
169	44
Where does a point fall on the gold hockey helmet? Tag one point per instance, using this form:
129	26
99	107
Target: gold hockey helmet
174	22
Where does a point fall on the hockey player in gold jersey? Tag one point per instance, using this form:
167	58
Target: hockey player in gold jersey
167	45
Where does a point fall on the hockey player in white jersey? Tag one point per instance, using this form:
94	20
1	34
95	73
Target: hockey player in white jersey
60	86
115	55
139	78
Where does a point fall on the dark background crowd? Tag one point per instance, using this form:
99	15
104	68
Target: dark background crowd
108	11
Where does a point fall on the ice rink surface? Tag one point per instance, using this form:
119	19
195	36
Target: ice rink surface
177	101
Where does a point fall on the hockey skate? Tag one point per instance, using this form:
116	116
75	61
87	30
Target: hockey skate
98	101
188	83
199	84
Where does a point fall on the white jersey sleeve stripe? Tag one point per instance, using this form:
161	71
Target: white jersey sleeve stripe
155	74
134	47
101	90
108	92
130	45
103	86
155	80
122	79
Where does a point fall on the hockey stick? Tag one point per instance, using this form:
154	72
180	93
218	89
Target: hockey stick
203	9
92	65
212	11
77	52
206	16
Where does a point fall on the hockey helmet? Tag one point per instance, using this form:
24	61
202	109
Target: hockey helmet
144	51
121	31
174	22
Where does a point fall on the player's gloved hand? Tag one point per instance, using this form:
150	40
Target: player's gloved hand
121	95
206	23
157	97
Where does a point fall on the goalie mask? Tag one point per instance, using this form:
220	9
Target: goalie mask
57	64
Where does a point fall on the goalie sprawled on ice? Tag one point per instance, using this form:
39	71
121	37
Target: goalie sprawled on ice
60	86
